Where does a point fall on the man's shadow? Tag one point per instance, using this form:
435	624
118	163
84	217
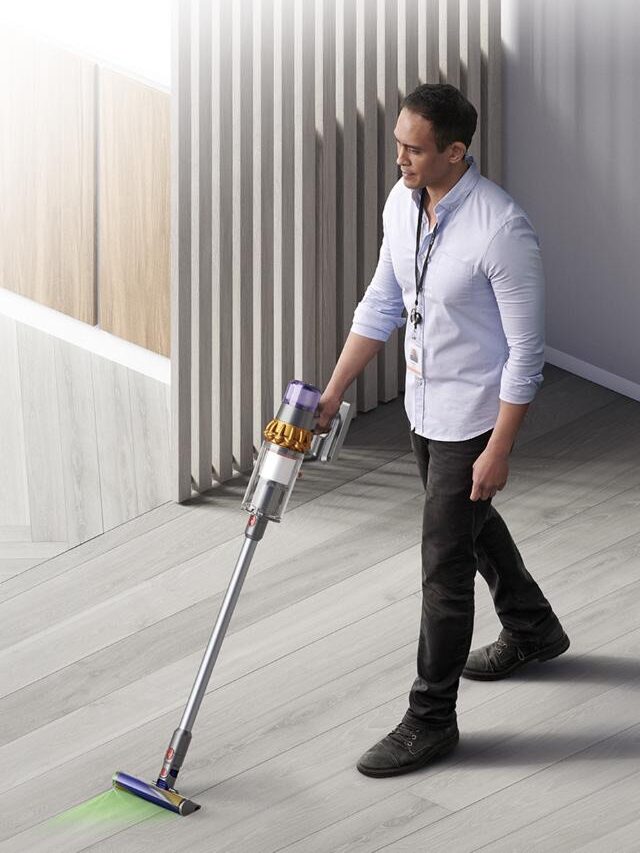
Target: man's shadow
511	747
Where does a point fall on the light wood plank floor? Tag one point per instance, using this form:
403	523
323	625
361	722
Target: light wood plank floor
99	646
84	446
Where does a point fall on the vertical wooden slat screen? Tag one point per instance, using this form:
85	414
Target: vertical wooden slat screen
221	241
346	169
388	171
471	66
367	171
304	226
491	89
263	200
201	271
408	41
408	79
283	204
326	188
242	236
301	102
428	47
181	167
450	42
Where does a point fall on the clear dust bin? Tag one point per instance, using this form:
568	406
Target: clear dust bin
274	475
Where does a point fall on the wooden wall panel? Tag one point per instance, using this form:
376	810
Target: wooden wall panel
47	175
133	211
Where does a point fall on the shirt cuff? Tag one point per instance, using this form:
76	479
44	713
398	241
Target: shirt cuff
369	332
519	389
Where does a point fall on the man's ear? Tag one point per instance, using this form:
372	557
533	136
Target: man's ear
458	150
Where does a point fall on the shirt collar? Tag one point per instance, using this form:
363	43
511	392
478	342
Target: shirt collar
459	191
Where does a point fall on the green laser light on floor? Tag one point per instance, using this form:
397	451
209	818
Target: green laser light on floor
289	440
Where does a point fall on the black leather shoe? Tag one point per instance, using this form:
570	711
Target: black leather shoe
500	659
407	748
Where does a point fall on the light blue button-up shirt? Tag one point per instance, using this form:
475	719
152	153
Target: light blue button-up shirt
482	304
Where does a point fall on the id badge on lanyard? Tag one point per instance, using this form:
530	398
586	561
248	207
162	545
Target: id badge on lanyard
414	351
414	356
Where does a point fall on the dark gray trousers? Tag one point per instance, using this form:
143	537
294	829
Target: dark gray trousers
460	536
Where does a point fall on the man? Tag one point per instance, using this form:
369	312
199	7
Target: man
464	261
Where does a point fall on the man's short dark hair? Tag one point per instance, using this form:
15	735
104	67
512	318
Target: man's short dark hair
453	117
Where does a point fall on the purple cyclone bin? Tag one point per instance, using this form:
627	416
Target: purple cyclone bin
302	396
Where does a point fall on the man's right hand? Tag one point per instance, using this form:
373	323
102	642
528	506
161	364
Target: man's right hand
327	409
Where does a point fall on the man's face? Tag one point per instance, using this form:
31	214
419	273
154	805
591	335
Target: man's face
418	156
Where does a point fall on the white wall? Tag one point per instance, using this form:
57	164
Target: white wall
570	125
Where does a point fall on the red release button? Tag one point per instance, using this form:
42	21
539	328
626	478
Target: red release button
252	520
170	754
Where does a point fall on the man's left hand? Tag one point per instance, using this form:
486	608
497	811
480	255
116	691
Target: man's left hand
490	473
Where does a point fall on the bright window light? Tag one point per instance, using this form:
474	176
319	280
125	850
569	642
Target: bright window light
132	35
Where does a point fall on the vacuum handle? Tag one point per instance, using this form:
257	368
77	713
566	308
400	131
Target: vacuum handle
325	447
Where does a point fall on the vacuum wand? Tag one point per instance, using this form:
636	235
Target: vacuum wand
288	441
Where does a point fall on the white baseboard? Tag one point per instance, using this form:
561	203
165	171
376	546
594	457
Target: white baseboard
87	337
592	373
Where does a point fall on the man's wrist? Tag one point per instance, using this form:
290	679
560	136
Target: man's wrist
334	390
500	447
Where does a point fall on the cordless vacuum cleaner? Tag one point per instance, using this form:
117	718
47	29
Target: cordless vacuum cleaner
288	441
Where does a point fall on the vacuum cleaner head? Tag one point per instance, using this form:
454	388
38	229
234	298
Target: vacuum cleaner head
166	799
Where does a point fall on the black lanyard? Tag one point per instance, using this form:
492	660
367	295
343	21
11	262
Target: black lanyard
415	317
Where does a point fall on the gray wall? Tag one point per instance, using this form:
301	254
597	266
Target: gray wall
571	83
